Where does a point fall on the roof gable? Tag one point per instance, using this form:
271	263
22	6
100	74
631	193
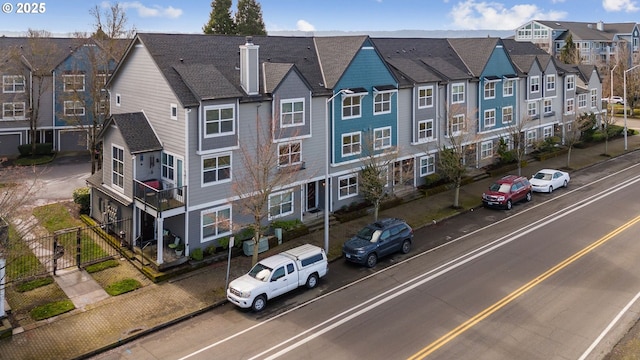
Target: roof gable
136	131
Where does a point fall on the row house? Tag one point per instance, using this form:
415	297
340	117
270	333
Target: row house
48	86
598	43
193	114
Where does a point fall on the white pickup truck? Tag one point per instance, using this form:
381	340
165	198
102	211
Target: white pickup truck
278	274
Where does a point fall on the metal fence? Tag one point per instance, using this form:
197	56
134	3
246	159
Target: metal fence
31	257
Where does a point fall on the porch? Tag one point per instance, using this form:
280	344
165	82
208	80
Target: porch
152	193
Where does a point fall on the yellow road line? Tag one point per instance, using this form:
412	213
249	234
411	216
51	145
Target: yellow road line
426	351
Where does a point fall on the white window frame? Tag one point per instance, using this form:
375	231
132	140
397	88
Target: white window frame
486	149
12	110
427	165
281	200
352	104
457	123
382	138
382	100
117	164
425	130
594	98
507	114
220	109
73	79
547	132
425	97
582	101
292	155
490	90
294	116
173	111
118	100
507	87
351	186
570	106
532	109
551	82
457	93
547	105
571	82
217	223
168	166
11	86
73	106
218	169
489	118
357	144
531	137
534	84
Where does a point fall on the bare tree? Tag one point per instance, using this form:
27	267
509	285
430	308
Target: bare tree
572	134
92	64
460	133
32	65
514	139
265	168
110	27
378	158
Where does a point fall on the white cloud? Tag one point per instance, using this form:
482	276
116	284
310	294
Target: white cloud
303	25
620	5
153	11
480	15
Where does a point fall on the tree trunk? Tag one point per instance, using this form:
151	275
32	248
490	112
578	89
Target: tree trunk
456	194
376	209
256	242
569	158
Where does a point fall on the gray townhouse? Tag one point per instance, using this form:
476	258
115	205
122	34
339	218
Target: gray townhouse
187	109
598	42
51	79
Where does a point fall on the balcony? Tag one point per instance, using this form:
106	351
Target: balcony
152	194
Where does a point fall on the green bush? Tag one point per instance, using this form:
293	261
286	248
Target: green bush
210	250
44	149
223	242
286	225
122	286
51	309
197	254
34	284
24	150
94	268
81	197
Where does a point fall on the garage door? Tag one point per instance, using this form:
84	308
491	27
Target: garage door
73	140
9	144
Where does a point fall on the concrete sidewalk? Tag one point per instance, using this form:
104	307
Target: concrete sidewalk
99	323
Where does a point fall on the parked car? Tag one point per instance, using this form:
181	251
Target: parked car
505	192
378	239
547	180
301	266
615	100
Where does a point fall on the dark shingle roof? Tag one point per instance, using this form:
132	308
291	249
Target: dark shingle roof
474	52
422	59
589	31
39	53
206	61
335	53
136	132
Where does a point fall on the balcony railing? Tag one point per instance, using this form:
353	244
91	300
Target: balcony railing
152	194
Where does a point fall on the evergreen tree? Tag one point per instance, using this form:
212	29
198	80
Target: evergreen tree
220	20
249	18
569	53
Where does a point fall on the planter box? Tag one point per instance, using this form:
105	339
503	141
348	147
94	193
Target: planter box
247	246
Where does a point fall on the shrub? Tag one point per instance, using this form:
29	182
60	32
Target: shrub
94	268
82	198
34	284
223	242
24	150
197	254
44	149
122	286
51	309
210	250
286	225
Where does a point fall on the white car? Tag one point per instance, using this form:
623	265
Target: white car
615	100
546	180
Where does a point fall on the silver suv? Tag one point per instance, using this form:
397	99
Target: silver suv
381	238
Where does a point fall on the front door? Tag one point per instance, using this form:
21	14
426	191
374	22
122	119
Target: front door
312	196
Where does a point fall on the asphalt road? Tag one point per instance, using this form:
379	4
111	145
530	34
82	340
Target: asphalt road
543	281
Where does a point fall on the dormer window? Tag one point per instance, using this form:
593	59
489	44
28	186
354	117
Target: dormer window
219	120
292	112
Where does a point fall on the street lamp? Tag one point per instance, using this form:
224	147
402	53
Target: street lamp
326	166
624	99
611	91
